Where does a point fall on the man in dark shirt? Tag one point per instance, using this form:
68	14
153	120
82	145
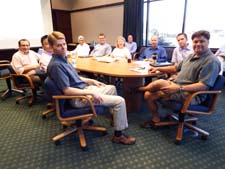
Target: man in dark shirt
67	79
195	73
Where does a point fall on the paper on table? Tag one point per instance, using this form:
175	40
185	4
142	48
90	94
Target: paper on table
140	69
106	59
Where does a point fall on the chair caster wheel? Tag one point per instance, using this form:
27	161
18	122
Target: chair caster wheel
17	102
84	148
104	133
203	137
177	142
57	142
43	117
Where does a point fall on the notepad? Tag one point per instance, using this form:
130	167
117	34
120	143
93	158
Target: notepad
106	59
140	69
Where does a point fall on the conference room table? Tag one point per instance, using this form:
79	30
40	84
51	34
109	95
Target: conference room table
132	73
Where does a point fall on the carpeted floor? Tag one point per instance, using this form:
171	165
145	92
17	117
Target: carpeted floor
25	142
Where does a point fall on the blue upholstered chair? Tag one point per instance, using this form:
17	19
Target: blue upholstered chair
205	108
5	74
68	114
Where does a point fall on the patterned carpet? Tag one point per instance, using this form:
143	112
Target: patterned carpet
25	143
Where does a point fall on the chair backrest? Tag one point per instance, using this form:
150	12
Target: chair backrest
218	85
66	110
4	71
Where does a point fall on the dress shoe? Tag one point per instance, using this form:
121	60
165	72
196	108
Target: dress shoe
147	124
123	139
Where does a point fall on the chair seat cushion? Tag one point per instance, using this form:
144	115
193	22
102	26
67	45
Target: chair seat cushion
175	106
69	111
4	72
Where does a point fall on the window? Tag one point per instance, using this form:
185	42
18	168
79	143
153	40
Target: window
207	15
167	18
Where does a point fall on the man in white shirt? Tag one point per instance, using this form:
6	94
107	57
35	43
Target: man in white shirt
46	54
102	48
25	60
220	53
82	48
183	50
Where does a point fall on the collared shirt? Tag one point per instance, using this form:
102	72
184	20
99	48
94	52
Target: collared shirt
101	50
44	60
160	51
121	53
131	46
63	73
19	60
180	54
221	59
204	68
81	50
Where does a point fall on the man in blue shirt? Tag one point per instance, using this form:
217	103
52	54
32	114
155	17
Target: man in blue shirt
102	48
67	79
154	49
131	45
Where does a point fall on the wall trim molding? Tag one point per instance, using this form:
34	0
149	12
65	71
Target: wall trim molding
97	7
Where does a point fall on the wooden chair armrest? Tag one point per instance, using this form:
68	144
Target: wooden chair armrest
189	99
26	77
135	55
88	98
4	65
4	62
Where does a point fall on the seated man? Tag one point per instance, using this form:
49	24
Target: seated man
197	72
46	54
26	61
67	79
156	50
183	50
220	53
82	48
180	52
44	59
131	45
102	48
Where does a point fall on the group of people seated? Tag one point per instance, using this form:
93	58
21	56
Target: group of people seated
196	69
123	50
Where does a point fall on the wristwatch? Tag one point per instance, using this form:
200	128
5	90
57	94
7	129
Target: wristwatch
181	88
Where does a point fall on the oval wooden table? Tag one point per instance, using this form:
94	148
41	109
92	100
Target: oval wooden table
133	75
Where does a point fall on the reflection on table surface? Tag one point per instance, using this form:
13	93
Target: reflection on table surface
119	68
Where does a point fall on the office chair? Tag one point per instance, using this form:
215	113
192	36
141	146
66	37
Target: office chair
6	75
24	82
205	108
68	114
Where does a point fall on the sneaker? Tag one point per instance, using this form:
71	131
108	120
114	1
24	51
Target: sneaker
123	139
